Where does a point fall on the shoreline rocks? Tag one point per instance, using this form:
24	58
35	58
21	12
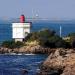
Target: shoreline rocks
60	62
27	49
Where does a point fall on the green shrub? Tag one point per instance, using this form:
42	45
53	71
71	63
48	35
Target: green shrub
12	44
47	38
72	39
18	44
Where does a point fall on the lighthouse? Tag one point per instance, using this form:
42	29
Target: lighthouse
20	30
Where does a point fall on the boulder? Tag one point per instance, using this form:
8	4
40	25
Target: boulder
60	62
24	71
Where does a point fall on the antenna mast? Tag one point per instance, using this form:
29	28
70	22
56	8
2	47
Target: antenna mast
60	31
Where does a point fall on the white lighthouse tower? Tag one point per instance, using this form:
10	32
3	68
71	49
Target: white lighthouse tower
20	30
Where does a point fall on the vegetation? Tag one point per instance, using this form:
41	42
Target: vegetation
12	44
72	39
47	38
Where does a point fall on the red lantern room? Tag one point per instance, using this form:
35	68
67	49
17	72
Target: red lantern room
22	19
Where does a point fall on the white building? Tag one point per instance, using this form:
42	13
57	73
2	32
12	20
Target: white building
20	31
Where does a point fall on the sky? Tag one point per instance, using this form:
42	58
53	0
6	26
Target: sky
52	9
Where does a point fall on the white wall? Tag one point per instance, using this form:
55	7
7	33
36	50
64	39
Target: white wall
18	33
19	30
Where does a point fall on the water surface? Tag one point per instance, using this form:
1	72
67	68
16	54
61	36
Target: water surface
14	64
6	29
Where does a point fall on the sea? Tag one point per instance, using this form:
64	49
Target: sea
67	27
12	64
17	64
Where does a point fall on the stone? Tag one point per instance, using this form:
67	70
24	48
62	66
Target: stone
59	63
24	71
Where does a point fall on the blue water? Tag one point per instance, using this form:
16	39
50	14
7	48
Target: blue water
14	64
5	32
6	29
66	27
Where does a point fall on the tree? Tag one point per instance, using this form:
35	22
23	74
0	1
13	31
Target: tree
72	39
12	44
47	38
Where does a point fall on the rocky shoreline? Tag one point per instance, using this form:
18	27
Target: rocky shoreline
59	62
27	49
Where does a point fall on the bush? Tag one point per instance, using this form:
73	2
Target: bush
46	33
8	44
71	34
48	38
18	44
42	34
12	44
72	39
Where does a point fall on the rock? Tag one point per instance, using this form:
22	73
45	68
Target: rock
69	70
60	62
37	49
24	71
